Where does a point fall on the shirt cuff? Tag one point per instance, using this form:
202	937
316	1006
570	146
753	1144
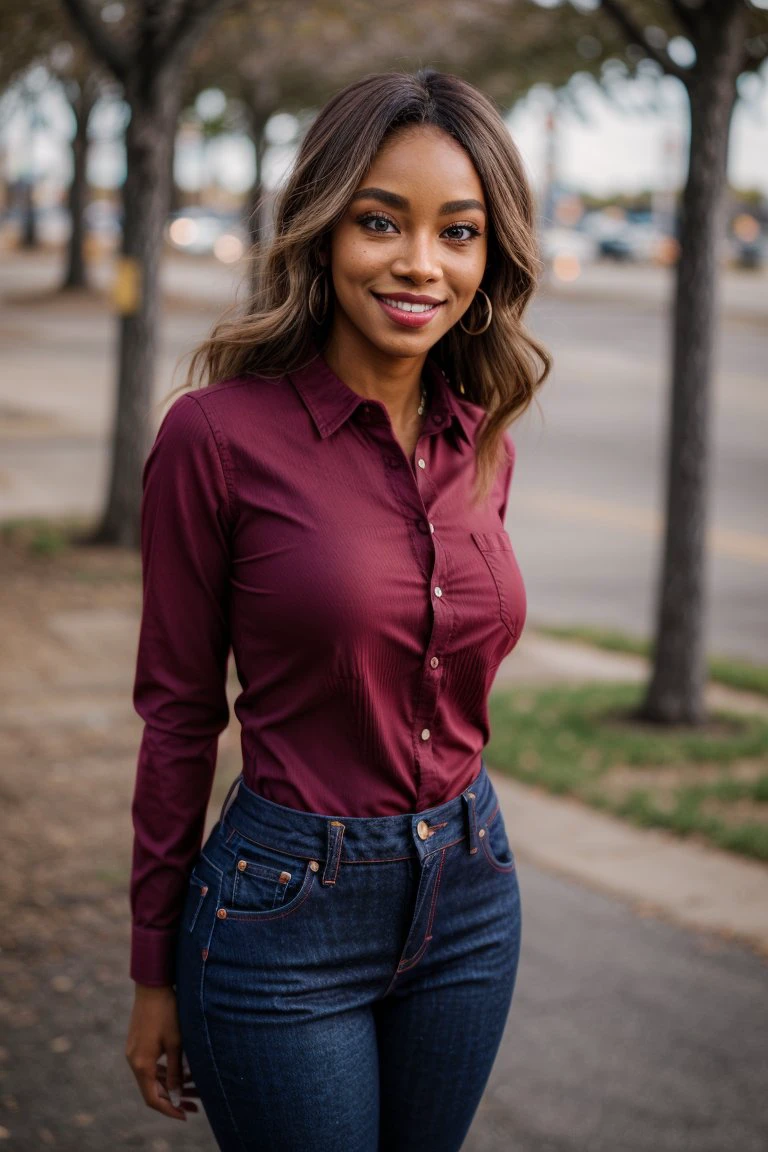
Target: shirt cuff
153	956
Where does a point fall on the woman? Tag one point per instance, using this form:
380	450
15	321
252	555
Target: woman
337	962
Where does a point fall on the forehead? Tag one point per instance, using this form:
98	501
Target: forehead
425	157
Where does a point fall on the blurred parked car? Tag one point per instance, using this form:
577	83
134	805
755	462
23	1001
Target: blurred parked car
567	242
202	232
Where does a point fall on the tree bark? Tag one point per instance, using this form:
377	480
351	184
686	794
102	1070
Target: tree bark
146	200
82	106
257	126
30	237
675	693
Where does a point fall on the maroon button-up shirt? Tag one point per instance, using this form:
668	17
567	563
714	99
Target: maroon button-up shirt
366	602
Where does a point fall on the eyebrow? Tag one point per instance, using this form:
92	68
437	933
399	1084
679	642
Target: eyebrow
395	201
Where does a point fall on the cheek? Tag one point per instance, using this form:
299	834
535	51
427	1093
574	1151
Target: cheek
354	261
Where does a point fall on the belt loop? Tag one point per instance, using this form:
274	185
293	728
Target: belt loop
471	810
227	802
333	852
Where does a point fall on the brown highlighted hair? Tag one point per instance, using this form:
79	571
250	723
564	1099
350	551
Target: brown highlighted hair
498	370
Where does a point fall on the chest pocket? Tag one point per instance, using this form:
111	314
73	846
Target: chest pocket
498	554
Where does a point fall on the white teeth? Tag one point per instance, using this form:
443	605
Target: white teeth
405	306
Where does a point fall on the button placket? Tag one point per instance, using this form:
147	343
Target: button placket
416	494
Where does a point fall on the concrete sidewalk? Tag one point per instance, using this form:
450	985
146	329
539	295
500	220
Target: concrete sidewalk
684	881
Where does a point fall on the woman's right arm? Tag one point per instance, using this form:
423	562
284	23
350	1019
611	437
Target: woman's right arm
180	693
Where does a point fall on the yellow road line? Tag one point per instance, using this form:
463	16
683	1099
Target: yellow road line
732	542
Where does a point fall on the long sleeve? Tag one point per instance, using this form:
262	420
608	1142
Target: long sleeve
180	682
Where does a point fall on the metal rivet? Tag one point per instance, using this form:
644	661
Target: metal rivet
472	851
204	889
242	865
481	832
471	794
222	913
314	865
204	953
284	877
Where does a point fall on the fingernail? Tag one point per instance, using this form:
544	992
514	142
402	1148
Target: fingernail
175	1096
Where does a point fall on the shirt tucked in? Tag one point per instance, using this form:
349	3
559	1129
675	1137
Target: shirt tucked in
367	604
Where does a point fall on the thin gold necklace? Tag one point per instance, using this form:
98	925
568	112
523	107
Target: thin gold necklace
423	401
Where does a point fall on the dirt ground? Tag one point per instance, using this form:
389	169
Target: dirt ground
68	744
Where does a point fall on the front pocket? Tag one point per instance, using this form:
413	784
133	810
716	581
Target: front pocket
265	881
496	843
497	551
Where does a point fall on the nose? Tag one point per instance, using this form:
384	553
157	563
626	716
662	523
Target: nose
418	259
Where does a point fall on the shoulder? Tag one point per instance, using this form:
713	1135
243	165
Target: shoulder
243	401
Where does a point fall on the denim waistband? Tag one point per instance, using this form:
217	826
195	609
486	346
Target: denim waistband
361	838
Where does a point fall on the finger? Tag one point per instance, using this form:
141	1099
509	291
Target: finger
188	1088
157	1098
174	1076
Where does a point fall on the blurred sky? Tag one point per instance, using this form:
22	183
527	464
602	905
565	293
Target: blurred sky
601	151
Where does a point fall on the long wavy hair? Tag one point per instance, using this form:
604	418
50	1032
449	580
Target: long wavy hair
498	370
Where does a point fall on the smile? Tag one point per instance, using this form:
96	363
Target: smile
407	313
405	306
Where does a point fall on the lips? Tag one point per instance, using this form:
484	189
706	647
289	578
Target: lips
409	312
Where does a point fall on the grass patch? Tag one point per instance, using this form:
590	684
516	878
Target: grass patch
742	675
586	741
40	535
54	547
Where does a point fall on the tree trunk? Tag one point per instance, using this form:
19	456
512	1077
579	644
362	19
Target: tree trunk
255	219
146	198
174	192
675	693
82	107
30	237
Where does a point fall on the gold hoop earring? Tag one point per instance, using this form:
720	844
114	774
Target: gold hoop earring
486	326
312	294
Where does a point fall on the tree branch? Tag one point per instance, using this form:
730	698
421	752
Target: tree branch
182	34
635	35
686	18
104	47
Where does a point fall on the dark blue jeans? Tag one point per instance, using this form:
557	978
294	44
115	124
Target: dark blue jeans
343	982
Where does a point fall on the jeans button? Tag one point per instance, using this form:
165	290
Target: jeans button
423	829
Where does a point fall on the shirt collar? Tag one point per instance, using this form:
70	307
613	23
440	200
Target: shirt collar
330	401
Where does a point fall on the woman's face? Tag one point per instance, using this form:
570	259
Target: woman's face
414	234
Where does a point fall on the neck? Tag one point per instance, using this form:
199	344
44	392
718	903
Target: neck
396	381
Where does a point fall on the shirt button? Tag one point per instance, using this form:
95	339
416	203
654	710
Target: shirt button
434	661
425	733
431	526
439	417
393	461
422	527
438	591
421	462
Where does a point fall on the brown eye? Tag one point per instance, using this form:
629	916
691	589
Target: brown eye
470	228
368	222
